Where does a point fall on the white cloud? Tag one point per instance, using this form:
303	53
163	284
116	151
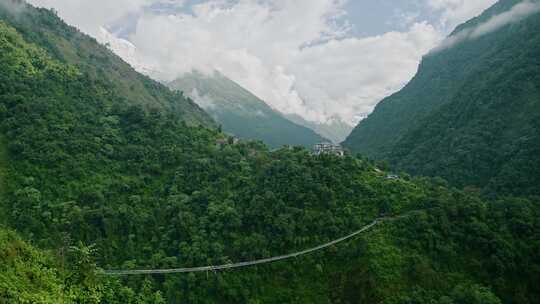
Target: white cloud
292	54
357	73
517	13
455	12
13	7
90	15
298	56
204	101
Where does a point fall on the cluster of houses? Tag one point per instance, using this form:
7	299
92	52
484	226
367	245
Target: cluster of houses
318	149
328	148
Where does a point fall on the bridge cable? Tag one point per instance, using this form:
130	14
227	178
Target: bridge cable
255	262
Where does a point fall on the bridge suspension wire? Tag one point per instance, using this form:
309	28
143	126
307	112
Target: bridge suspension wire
255	262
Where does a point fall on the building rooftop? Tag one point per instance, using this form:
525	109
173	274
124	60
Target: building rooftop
328	148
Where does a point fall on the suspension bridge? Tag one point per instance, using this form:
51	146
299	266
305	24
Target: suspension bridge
256	262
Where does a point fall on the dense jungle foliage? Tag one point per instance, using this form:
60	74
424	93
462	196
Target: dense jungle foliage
471	114
112	77
95	180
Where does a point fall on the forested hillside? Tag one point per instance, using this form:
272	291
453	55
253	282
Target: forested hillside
30	276
68	275
471	113
3	173
98	66
243	114
96	180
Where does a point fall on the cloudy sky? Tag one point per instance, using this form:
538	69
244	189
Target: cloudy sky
320	59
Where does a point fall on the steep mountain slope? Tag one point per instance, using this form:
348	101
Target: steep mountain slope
28	275
95	62
147	190
471	113
335	130
31	275
242	113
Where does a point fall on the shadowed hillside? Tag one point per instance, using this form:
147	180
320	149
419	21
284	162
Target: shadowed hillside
471	113
98	180
243	114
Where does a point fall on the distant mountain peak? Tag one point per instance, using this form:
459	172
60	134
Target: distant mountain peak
242	113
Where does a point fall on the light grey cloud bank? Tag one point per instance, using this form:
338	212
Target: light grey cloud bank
517	13
299	56
295	55
13	7
455	12
90	15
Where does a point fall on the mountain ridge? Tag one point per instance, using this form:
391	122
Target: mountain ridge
335	129
99	180
468	114
241	113
67	44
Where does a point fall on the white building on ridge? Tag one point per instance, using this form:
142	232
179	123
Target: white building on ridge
328	148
